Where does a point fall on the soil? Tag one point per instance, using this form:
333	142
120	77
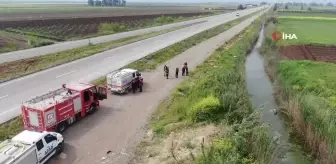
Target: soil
322	53
17	41
66	28
46	22
44	14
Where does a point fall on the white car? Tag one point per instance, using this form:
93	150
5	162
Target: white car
237	14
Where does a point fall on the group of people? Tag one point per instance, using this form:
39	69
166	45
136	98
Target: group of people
185	71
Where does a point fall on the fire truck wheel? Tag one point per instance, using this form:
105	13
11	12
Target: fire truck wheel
93	108
61	127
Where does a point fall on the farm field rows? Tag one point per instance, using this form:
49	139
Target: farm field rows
27	34
305	72
81	11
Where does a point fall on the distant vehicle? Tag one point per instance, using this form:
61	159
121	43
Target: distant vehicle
120	81
237	14
57	109
30	147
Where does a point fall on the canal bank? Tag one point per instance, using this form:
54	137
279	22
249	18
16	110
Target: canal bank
261	95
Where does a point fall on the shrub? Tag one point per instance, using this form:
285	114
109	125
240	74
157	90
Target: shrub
36	42
204	110
164	20
112	27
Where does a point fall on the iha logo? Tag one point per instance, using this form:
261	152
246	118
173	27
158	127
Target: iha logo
281	35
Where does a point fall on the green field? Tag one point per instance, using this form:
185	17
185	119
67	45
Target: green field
312	85
307	14
306	90
308	30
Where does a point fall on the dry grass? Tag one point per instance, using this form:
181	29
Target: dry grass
179	147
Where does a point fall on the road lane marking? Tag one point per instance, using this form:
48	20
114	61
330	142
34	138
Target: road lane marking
65	74
3	97
9	110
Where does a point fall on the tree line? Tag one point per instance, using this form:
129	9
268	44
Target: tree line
107	2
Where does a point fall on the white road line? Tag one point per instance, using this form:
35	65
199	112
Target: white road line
3	97
17	107
65	74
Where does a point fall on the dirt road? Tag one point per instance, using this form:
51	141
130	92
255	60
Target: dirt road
118	126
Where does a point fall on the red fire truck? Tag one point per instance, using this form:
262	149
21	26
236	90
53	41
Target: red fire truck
57	109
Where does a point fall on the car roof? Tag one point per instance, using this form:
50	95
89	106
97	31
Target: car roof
28	137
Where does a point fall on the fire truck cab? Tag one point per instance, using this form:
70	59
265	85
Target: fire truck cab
57	109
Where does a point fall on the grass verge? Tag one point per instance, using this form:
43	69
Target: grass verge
305	90
11	128
11	70
216	94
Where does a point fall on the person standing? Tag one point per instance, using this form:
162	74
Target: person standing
134	85
183	70
165	70
177	72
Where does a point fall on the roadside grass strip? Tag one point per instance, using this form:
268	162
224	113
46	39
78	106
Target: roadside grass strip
216	93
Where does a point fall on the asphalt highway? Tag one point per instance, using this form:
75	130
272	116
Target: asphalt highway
28	53
13	93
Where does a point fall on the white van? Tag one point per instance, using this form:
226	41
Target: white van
30	147
121	81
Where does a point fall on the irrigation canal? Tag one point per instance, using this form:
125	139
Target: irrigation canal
261	95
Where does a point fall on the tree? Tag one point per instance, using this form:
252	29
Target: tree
313	4
109	2
263	3
105	3
301	8
124	3
286	7
309	8
330	4
115	2
98	3
275	7
240	7
90	2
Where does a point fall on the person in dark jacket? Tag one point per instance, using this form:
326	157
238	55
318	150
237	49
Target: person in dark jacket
165	70
183	70
134	85
186	70
176	72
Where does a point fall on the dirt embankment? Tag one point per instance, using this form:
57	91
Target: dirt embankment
309	52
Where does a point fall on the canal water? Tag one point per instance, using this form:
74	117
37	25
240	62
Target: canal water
261	95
